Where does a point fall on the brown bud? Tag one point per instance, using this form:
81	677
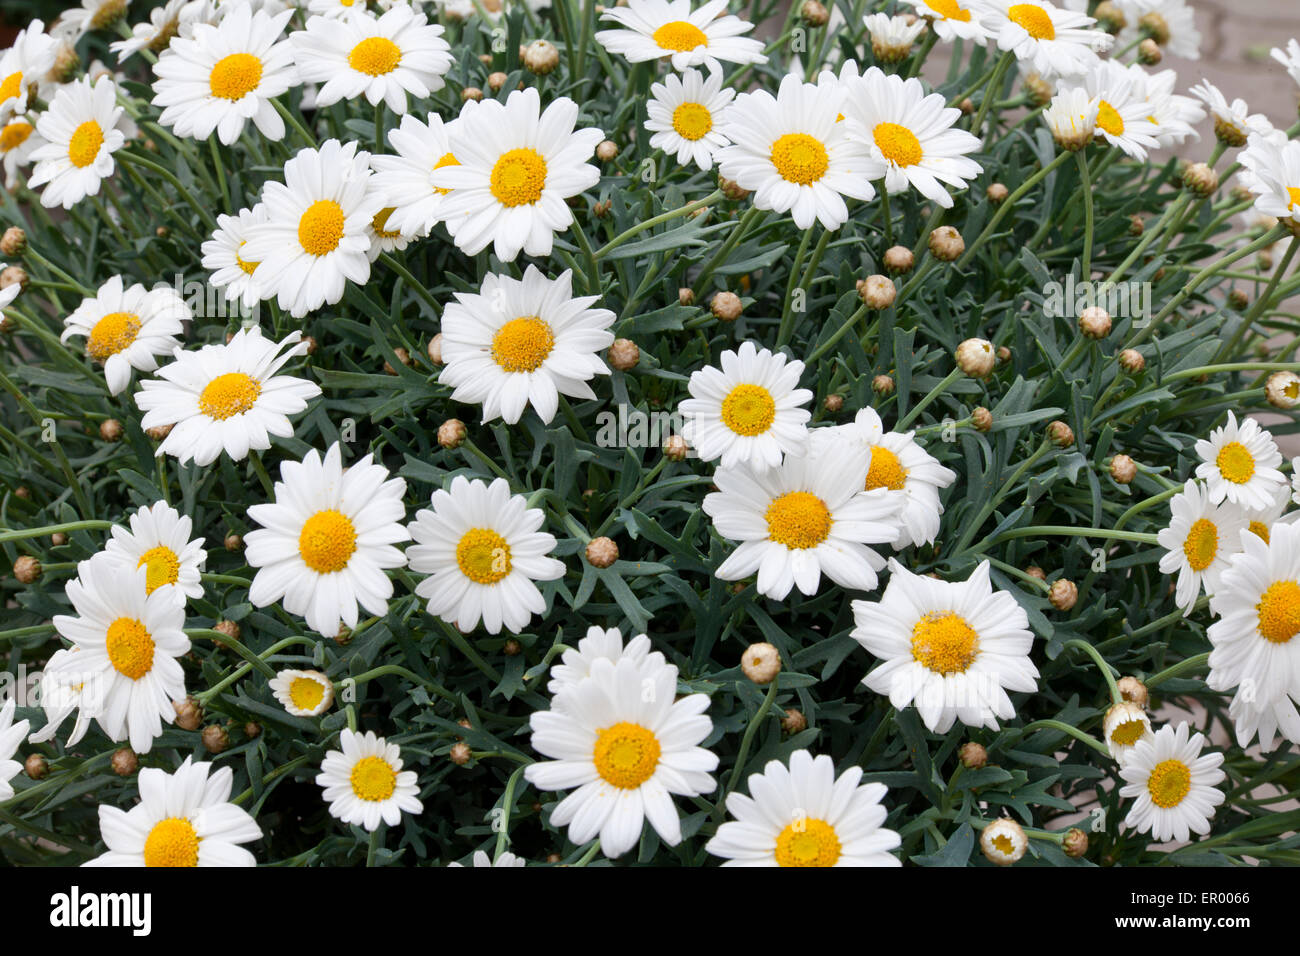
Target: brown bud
899	260
471	93
228	628
601	209
435	349
601	552
344	637
726	306
159	432
967	107
1133	690
541	57
1075	843
451	433
215	738
1200	179
1149	53
833	403
512	647
14	275
607	151
1094	322
882	385
973	756
27	569
675	448
1110	17
1004	355
311	343
403	356
125	762
110	429
685	296
189	715
624	355
22	491
1155	27
997	193
976	357
731	189
1061	434
1238	299
1063	594
1122	469
36	767
58	539
460	754
13	242
1039	90
794	721
878	292
814	14
1034	571
981	418
252	730
761	663
496	81
1131	361
234	542
946	244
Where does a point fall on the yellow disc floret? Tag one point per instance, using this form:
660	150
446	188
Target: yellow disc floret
798	520
229	395
886	470
748	410
83	147
130	647
800	158
235	76
112	334
808	842
943	642
373	779
1034	19
327	541
692	120
172	842
680	36
898	143
626	755
1236	463
321	227
522	344
163	567
483	556
1201	544
1169	783
1279	611
518	177
375	56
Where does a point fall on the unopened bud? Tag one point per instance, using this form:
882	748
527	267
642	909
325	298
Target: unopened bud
726	306
1200	179
435	349
1133	690
814	14
27	569
460	754
946	244
541	57
675	448
234	542
110	429
882	385
899	260
496	81
982	419
1149	53
159	432
624	355
1094	322
976	357
471	93
794	721
1131	361
878	292
189	715
1063	594
602	552
13	242
1034	571
36	766
997	193
607	151
973	756
124	762
215	738
1061	434
685	296
1123	469
761	663
732	190
1075	843
451	433
833	403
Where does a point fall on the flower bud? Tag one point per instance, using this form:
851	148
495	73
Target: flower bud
1131	361
451	433
512	647
899	260
1237	299
685	296
814	14
1061	434
833	403
402	356
344	637
541	57
58	539
110	429
601	552
1063	595
13	242
1004	842
726	306
1094	322
1034	571
1110	17
1075	843
1283	389
607	151
981	418
1200	179
675	448
215	738
27	569
601	209
496	80
228	628
946	244
973	756
159	432
124	762
471	93
794	721
624	355
252	730
761	663
732	190
967	106
1123	469
435	349
234	542
1133	690
882	385
189	715
997	193
460	754
878	292
1124	725
1155	27
36	766
976	357
1149	53
1040	91
14	275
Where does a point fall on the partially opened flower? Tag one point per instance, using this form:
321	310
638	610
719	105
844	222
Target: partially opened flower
599	644
1121	115
303	693
955	19
223	256
159	541
76	21
651	29
364	781
65	692
481	859
127	328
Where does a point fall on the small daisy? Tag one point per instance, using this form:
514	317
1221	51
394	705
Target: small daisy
1289	58
803	519
383	237
405	181
1072	118
128	328
224	75
1240	463
154	34
1172	115
749	411
1233	122
22	66
221	256
1004	841
1272	174
952	648
599	644
159	540
1121	117
518	165
1171	23
520	342
686	114
628	746
892	37
303	693
11	735
129	641
651	29
794	155
506	859
364	781
482	550
1125	725
955	19
1176	789
806	816
1201	538
316	234
334	8
327	540
18	140
63	693
76	22
1045	38
81	134
383	57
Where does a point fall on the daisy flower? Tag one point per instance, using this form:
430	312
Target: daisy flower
1240	463
364	781
1003	841
221	256
1172	115
1045	38
154	34
10	292
952	648
81	134
76	22
1201	538
335	8
651	29
1072	118
1233	122
63	693
224	75
159	540
129	640
1272	174
1125	725
405	181
315	237
226	397
183	819
749	410
1289	58
806	816
1175	788
1121	117
1171	23
18	140
518	165
793	154
892	37
303	693
803	519
383	237
506	859
382	57
11	735
955	19
327	539
599	644
519	342
627	747
482	550
686	114
23	65
128	328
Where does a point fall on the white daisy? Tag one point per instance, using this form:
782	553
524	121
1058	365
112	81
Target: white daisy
749	410
364	781
1004	841
154	34
1072	117
599	644
303	693
128	328
803	519
183	819
63	693
405	181
1124	726
1171	23
1172	115
506	859
129	641
1240	463
806	816
76	22
316	235
483	551
334	8
1045	38
222	256
81	134
1121	117
382	57
1201	538
9	292
224	75
1233	122
23	64
1289	58
11	735
1176	789
159	540
686	115
383	236
955	19
952	648
525	341
518	165
628	747
794	155
892	37
18	140
1272	174
327	540
651	29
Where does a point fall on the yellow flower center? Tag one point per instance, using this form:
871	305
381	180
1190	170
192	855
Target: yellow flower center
1294	193
1034	19
1004	844
1202	544
692	120
380	221
943	642
949	10
306	693
798	520
229	395
235	76
14	134
800	158
1169	783
680	36
1236	463
373	779
1279	611
327	541
748	410
172	842
111	334
808	842
130	647
448	159
518	177
483	555
1128	733
1259	529
1109	119
12	86
626	755
83	147
375	56
321	227
522	344
886	470
248	267
162	567
898	143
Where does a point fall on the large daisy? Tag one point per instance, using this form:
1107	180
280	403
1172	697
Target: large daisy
1201	538
222	256
364	781
81	134
405	180
1174	786
1045	38
22	66
159	540
686	115
1240	463
128	328
11	735
651	29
